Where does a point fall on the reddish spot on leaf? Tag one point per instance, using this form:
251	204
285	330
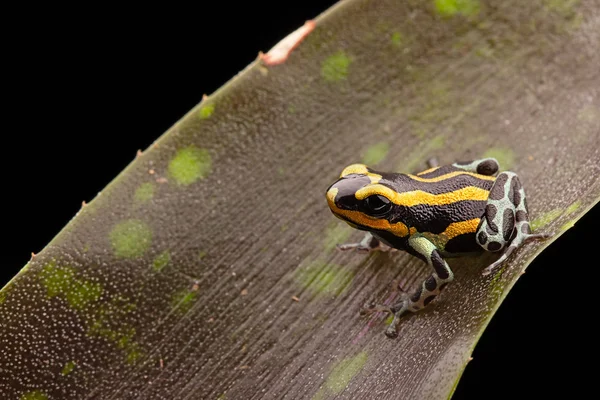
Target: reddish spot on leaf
280	52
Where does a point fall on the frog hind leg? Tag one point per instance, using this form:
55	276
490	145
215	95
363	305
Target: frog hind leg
505	224
485	166
429	289
367	244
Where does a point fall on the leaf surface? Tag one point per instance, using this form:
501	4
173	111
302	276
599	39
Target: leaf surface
208	268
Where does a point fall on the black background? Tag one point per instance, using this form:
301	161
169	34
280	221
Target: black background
87	90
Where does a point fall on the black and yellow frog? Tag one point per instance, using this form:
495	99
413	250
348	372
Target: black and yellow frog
441	212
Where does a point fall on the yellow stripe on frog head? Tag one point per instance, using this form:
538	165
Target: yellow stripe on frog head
362	170
450	175
357	218
416	197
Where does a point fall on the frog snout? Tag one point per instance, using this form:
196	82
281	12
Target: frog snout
342	194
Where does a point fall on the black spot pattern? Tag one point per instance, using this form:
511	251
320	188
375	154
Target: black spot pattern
494	246
508	223
526	228
522	216
428	300
439	265
416	295
490	214
516	197
482	237
511	190
497	192
488	167
430	284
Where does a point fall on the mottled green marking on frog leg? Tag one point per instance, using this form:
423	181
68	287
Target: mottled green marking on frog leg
506	223
430	288
485	166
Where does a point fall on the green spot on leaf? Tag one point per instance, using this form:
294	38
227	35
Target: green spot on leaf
449	8
336	233
322	278
504	156
375	153
62	282
206	111
396	38
161	261
68	368
335	67
109	322
589	114
144	192
184	300
344	371
190	164
564	8
419	155
570	210
545	218
130	238
573	207
35	395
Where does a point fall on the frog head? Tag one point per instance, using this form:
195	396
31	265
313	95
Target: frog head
361	198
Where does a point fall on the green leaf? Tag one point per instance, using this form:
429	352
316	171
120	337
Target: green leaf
151	293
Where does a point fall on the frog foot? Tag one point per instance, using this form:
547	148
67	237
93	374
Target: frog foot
525	238
366	245
368	309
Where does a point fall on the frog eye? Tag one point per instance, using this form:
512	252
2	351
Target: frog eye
377	205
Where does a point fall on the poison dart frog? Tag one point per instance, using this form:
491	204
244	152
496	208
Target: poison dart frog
442	212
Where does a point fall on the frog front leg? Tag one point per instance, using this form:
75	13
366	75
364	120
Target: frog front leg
430	288
367	244
505	224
